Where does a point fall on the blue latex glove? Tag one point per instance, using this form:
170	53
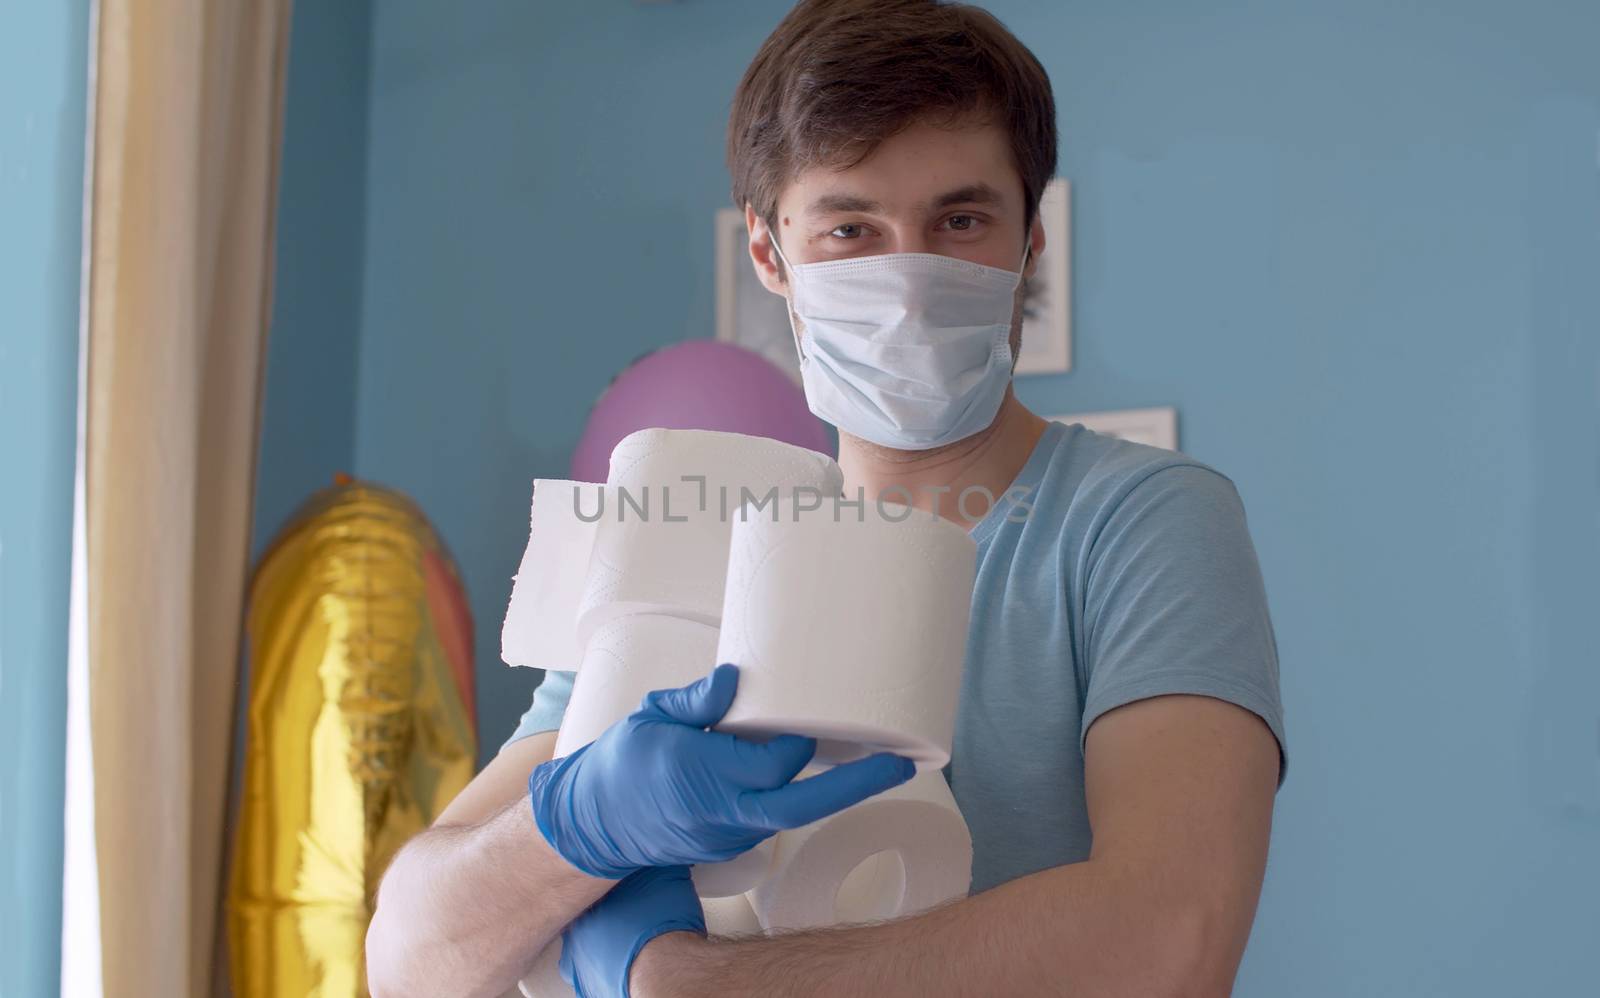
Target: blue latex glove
599	946
657	789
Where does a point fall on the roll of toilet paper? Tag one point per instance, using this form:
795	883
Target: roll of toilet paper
898	853
540	623
659	456
849	626
655	552
733	877
662	545
730	916
625	659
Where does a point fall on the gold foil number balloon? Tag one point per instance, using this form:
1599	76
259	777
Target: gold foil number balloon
360	732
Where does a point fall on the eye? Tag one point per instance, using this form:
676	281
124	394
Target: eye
849	230
962	223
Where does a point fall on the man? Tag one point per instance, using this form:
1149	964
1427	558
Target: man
1119	735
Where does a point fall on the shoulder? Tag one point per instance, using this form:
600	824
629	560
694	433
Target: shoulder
1093	478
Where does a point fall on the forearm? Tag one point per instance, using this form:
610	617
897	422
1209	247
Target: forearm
464	910
1084	929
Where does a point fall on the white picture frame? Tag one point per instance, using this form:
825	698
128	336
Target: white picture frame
753	317
1157	426
1047	310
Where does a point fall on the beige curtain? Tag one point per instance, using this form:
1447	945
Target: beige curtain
183	168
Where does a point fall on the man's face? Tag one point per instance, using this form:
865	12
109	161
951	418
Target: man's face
951	191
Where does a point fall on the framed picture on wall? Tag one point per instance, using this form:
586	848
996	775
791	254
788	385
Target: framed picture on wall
1047	309
751	316
1157	427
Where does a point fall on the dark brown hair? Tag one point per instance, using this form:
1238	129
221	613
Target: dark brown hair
837	77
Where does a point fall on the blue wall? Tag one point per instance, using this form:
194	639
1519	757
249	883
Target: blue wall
309	408
1355	244
539	214
43	102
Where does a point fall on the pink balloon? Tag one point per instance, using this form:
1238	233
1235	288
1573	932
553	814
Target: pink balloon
697	385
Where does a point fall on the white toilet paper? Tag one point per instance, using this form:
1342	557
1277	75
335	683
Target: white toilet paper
625	659
662	544
730	916
912	846
670	558
540	628
850	628
660	456
733	877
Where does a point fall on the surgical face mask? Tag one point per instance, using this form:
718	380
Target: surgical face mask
908	350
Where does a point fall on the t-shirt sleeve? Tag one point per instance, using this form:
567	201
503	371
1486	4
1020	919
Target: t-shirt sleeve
549	704
1175	603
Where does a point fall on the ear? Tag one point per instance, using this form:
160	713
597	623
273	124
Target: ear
768	267
1036	242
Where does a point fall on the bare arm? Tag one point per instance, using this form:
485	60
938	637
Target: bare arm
1180	793
468	904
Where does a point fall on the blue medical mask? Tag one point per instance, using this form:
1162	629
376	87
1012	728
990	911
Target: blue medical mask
908	350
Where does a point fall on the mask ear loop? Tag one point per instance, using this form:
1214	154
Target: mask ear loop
1027	250
788	306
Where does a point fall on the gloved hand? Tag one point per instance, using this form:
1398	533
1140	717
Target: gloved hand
599	946
657	789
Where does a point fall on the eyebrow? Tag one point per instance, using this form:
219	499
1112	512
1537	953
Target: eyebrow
828	204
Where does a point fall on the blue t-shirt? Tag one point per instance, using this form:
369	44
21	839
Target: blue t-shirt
1112	572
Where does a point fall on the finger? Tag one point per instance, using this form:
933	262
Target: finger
701	704
804	801
769	764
